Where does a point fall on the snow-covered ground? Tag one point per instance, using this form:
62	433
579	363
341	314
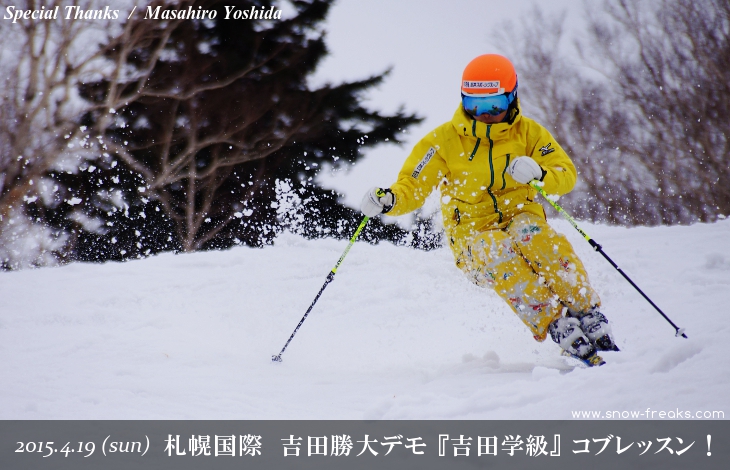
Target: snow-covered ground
399	334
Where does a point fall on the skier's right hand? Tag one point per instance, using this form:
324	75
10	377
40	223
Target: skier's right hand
377	201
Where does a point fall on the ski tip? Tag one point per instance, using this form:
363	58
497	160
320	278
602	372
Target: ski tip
594	360
276	358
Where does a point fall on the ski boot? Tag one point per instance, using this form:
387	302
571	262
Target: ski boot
595	326
566	331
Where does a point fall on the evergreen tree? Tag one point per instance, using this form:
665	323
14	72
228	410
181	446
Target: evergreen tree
218	126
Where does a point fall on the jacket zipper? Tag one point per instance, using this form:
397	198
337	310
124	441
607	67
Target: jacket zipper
506	165
479	139
491	174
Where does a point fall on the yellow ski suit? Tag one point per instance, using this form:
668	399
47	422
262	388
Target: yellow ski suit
496	230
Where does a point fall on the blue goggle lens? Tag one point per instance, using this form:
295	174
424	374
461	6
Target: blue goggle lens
491	104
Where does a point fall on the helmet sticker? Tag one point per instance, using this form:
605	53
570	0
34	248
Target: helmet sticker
481	85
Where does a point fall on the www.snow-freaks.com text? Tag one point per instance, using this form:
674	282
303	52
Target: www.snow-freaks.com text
648	414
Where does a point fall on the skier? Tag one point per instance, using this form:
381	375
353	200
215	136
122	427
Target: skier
483	161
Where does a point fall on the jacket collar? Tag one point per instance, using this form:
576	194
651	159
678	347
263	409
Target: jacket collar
467	126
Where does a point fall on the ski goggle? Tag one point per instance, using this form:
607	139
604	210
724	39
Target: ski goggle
495	104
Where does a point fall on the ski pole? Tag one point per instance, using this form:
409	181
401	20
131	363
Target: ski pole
598	248
330	277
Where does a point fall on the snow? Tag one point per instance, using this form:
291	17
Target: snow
398	334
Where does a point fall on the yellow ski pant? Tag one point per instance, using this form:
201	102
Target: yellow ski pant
533	268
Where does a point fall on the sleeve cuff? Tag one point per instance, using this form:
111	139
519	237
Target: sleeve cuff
388	207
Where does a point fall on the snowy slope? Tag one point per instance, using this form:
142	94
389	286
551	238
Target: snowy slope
399	334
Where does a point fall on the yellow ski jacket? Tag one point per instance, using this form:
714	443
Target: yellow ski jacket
468	160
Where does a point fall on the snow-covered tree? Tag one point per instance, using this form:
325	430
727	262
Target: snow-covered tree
173	133
43	62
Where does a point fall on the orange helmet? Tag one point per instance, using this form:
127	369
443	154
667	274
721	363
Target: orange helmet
488	85
488	74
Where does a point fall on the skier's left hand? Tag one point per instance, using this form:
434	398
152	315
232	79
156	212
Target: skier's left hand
525	169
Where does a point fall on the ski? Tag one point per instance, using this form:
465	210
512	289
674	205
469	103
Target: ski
592	361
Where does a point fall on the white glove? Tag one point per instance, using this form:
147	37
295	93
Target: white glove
377	201
524	169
